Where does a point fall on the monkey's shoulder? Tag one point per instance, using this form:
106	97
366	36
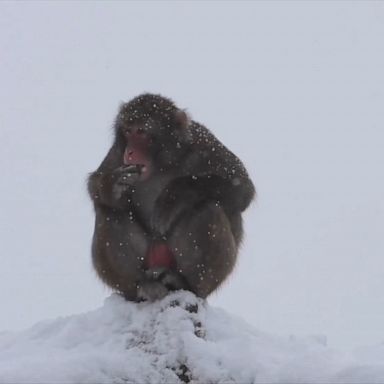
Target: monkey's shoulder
209	155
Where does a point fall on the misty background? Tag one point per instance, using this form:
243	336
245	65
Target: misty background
295	89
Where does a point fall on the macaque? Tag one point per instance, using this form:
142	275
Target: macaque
168	200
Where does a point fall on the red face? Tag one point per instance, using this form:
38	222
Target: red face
137	150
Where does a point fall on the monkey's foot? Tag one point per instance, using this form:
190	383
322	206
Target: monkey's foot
158	282
169	278
151	291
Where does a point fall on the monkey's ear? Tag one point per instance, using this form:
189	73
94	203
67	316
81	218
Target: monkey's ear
183	122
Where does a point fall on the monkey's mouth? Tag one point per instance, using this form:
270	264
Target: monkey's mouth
137	158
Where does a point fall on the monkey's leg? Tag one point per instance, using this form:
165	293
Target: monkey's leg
118	252
204	248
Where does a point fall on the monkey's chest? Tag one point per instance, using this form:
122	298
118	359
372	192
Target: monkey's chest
147	192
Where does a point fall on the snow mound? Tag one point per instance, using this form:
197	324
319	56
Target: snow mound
179	339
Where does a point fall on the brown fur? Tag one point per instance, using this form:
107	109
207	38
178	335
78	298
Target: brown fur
192	199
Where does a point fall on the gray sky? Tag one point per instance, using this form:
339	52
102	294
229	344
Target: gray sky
296	89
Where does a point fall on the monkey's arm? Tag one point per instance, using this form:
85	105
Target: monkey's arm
184	195
113	189
225	181
218	171
112	183
210	173
233	194
173	203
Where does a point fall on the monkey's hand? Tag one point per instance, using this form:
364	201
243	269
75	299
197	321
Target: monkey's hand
108	188
125	177
173	203
128	174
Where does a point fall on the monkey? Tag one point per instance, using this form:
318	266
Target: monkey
168	200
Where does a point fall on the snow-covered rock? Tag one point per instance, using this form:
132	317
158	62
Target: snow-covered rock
179	339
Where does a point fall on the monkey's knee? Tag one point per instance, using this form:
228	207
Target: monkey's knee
205	249
120	280
118	257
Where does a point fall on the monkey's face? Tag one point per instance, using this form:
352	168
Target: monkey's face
152	144
137	148
153	138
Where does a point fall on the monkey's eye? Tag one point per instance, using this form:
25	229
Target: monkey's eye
127	131
140	131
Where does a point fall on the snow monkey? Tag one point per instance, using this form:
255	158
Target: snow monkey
168	199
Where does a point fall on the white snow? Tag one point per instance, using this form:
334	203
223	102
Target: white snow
124	342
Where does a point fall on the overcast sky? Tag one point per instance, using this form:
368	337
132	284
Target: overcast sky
295	89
